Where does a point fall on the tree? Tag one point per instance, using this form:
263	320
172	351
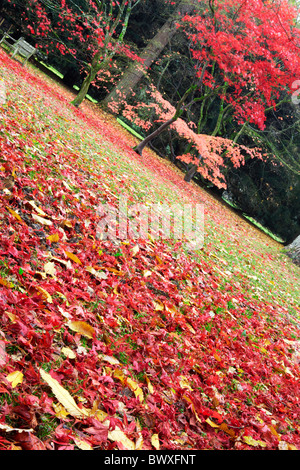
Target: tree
136	71
98	27
113	17
293	250
245	53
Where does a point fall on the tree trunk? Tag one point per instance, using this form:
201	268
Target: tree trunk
94	69
293	250
136	71
178	112
140	147
191	173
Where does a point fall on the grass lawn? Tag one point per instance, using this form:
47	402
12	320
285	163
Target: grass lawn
141	345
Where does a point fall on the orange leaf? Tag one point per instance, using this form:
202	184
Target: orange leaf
15	214
73	257
53	238
5	283
83	328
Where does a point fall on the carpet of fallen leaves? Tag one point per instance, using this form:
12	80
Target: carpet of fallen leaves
141	345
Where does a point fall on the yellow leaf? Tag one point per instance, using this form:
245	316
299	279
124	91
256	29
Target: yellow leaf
68	353
60	411
7	428
15	378
135	250
252	442
83	328
97	274
217	357
150	386
12	317
155	441
110	359
211	423
274	432
64	397
41	220
184	383
45	294
226	429
66	223
118	436
189	326
50	269
101	416
81	444
115	271
136	389
158	305
53	238
118	373
15	214
5	283
147	273
73	257
37	209
140	441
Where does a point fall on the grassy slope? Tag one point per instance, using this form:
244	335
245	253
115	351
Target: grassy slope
210	337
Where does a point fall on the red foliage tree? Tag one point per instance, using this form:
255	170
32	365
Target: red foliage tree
245	52
97	27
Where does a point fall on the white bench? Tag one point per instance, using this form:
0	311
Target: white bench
20	47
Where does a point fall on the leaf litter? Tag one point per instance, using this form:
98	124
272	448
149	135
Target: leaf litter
143	345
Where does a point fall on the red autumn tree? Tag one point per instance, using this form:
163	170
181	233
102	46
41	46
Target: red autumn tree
245	52
96	27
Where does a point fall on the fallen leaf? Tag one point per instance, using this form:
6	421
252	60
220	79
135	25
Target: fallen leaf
45	294
68	353
15	378
217	357
110	359
63	396
73	257
150	386
37	209
41	220
138	392
29	441
136	389
226	429
50	269
211	423
60	411
54	238
252	442
7	428
6	283
155	441
158	305
118	436
15	214
286	446
184	383
147	273
97	274
83	328
135	250
81	444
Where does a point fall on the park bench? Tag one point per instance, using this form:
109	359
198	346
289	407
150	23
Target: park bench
19	46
